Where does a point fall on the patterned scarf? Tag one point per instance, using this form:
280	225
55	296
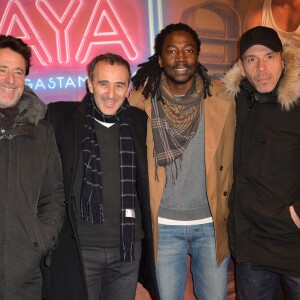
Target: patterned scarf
91	193
175	121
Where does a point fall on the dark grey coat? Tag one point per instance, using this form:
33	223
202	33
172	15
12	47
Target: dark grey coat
31	200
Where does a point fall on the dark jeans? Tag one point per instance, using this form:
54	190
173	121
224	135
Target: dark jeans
107	277
264	285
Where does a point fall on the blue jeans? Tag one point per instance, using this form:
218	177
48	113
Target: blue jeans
264	285
107	277
175	243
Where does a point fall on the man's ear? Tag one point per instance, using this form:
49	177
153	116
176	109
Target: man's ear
90	85
240	64
128	91
160	61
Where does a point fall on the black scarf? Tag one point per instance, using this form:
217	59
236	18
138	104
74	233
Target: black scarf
8	116
91	193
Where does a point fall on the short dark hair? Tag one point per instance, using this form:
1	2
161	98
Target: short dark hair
112	59
17	45
149	73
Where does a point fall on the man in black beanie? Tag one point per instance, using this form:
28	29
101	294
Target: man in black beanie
264	224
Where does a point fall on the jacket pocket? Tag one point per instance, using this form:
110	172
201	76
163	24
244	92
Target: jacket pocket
42	236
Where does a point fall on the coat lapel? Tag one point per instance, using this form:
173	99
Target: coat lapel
216	112
78	123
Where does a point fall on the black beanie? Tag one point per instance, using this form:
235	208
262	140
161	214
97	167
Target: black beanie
260	35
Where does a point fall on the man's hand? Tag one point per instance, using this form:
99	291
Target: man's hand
294	216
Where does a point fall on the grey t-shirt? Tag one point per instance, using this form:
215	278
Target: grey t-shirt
186	198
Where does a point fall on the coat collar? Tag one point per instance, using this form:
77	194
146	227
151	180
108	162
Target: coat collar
289	88
216	110
31	108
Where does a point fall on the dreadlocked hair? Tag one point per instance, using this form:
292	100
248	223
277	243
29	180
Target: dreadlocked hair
202	71
149	73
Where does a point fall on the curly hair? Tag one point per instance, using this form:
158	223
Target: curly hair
149	73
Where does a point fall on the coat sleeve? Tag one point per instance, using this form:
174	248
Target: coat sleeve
51	204
297	208
137	99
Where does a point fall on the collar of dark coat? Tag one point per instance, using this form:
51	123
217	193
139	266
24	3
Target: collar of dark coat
83	105
288	93
31	108
255	97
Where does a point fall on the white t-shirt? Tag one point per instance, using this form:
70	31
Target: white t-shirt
292	38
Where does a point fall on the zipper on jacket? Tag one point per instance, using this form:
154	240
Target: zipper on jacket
1	128
12	163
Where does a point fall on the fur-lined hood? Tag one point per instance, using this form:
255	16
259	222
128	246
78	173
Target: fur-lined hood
289	88
31	108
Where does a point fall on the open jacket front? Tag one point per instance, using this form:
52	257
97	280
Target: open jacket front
219	112
66	279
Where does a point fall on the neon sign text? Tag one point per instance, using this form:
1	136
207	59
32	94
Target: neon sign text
57	82
103	26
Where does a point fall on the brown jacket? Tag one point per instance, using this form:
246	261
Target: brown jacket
219	112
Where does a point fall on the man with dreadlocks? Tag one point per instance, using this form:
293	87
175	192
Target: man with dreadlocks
190	148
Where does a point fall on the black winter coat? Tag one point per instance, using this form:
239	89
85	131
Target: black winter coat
65	278
267	175
31	199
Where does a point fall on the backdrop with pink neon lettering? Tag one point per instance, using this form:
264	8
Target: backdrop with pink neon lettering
65	35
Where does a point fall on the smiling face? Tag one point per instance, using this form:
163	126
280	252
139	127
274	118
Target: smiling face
179	59
262	67
12	77
110	86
